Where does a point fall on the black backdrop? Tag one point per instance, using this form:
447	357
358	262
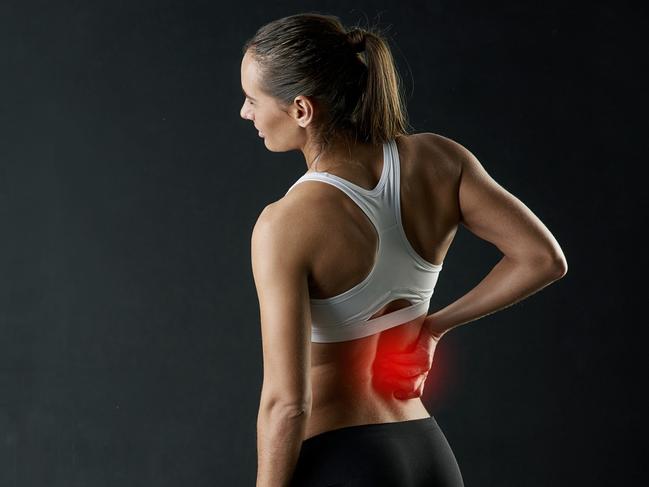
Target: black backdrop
130	348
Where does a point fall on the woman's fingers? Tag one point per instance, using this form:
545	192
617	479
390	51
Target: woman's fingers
401	384
406	395
412	370
406	372
414	388
406	358
405	383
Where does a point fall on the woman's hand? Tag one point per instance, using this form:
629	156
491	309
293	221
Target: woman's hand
405	372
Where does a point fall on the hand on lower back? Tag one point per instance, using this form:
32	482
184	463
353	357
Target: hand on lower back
405	372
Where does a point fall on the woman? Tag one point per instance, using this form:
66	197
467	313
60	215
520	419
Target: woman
346	261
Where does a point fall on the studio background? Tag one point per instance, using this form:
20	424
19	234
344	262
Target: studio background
130	347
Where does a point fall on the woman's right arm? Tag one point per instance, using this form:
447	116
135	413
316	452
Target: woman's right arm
531	260
532	257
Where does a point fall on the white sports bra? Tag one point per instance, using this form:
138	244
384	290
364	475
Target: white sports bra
399	272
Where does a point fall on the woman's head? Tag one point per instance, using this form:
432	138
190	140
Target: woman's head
308	71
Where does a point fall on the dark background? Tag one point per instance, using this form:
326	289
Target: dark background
130	348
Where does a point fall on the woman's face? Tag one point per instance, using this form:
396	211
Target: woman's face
279	129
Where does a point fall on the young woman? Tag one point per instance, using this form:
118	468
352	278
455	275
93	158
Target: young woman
346	261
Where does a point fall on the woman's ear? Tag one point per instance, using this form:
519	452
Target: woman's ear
303	110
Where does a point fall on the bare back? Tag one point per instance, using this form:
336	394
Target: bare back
344	392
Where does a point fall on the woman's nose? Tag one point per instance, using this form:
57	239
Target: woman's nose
244	112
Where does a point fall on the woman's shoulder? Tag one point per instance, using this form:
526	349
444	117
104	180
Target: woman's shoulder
303	208
430	154
432	142
290	223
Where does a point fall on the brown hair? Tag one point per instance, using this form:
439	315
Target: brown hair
349	75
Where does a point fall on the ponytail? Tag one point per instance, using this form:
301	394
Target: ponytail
381	111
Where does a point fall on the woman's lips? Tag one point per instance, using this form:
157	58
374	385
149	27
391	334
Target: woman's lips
260	134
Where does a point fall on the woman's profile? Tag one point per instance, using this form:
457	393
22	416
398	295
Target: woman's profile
345	263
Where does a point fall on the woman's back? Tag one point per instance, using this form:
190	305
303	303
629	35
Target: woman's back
346	386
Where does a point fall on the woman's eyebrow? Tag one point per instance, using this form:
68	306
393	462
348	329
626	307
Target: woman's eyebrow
246	94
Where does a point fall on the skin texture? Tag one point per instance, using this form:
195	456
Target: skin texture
315	243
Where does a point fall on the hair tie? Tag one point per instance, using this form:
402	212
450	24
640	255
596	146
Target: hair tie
356	38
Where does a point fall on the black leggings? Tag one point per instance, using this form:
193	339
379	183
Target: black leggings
412	453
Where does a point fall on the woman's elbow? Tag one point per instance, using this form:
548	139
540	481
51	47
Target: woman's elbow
552	259
552	265
558	265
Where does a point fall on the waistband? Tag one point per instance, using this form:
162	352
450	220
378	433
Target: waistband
406	427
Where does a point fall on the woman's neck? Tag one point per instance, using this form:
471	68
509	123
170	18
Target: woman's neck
343	154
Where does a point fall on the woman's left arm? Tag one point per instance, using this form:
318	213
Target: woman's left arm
280	269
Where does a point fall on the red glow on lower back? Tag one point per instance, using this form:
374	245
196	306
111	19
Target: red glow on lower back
438	382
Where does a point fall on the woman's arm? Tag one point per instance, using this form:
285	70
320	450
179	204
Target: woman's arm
532	257
280	256
532	260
